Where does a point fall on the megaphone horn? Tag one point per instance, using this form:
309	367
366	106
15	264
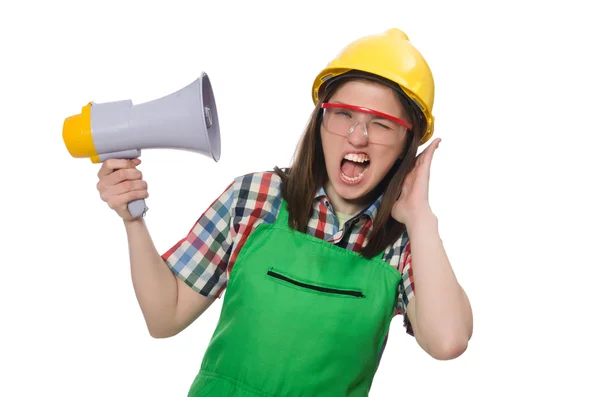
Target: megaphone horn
186	120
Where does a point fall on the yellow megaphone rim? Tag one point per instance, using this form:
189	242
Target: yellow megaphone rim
77	134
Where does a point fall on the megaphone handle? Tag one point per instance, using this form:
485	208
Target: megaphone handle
137	207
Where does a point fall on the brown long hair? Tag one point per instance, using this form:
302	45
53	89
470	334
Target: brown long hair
307	173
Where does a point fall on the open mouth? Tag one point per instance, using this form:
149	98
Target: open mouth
353	167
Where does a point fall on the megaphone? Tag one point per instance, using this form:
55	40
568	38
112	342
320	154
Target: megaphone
185	120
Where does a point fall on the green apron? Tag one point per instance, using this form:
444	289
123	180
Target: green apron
300	317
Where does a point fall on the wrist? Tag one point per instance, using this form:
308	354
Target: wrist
422	218
128	223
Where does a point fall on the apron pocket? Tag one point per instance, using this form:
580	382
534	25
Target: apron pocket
329	290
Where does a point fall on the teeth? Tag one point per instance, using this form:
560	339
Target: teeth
358	158
353	179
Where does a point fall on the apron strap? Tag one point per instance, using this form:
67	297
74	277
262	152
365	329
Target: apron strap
283	215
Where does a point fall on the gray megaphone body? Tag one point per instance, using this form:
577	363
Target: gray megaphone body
186	120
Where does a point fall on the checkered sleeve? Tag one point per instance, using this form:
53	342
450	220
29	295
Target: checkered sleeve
406	287
201	258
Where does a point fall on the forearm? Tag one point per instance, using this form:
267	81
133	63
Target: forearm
154	283
442	309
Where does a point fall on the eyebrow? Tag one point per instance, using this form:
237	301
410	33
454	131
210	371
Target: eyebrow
373	116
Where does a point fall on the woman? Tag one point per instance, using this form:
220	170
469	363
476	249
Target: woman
319	257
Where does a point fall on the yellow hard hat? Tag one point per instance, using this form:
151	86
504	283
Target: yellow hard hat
390	55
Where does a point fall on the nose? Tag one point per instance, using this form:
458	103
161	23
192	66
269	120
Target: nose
358	134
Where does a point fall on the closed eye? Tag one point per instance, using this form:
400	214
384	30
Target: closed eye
384	126
344	113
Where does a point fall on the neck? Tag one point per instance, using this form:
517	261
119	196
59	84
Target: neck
347	207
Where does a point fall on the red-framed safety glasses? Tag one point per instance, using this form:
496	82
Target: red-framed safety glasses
329	105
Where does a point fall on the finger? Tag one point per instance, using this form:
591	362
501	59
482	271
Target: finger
119	176
430	150
110	165
124	188
432	146
121	200
127	186
429	158
420	157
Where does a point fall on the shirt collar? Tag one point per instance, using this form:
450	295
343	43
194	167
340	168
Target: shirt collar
370	211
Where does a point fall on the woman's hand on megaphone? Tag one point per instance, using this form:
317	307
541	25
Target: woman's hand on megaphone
119	183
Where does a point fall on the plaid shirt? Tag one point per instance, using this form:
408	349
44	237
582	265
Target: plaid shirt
205	257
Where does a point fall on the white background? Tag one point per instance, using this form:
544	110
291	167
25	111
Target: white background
514	182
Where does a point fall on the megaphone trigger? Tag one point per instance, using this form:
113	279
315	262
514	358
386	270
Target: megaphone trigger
185	120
